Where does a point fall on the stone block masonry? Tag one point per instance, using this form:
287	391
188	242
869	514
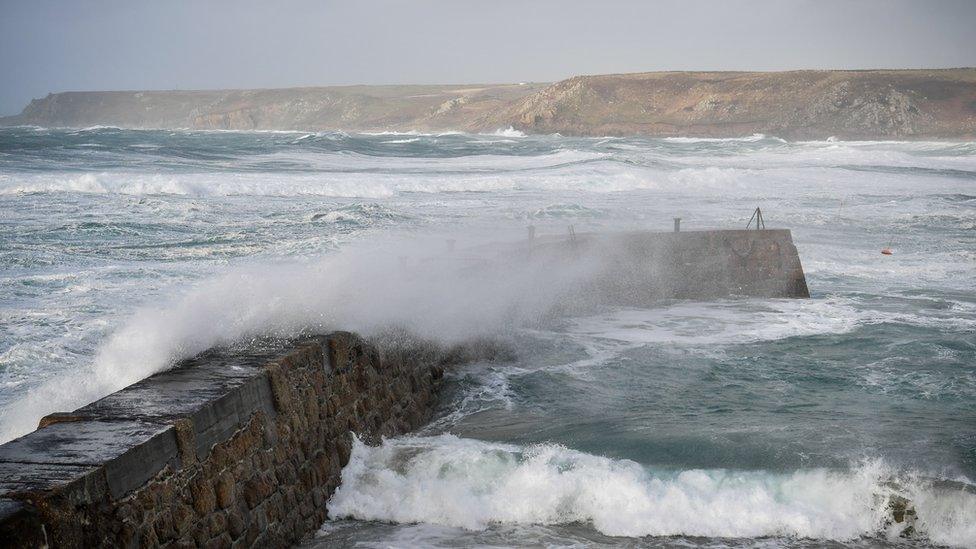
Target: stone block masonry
225	450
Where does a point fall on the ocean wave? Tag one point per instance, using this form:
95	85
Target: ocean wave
194	185
723	322
756	137
97	128
561	211
472	484
742	322
508	132
351	161
835	155
565	171
359	214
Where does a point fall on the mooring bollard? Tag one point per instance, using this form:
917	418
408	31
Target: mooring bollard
677	224
531	233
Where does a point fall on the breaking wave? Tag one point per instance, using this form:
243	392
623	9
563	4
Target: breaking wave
472	484
754	138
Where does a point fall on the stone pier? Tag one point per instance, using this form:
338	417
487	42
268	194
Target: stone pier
225	450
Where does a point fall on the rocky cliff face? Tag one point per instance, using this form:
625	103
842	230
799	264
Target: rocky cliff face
912	104
801	104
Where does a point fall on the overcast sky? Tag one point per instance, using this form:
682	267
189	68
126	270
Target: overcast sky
48	46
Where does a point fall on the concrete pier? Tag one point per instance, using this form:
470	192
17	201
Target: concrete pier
639	268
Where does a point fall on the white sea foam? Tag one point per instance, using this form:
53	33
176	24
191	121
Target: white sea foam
750	139
722	322
96	128
735	322
349	176
472	484
844	154
508	132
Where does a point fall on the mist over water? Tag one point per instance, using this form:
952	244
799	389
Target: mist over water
728	422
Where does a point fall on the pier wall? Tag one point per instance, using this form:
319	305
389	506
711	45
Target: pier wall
222	451
713	264
641	268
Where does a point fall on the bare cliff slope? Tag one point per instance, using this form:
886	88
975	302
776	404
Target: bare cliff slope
903	104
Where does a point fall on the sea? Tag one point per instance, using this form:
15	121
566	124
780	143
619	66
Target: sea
736	422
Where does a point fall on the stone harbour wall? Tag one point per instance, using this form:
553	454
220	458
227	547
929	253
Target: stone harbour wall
642	268
222	451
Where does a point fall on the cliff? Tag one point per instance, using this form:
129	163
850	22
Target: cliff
350	108
799	105
883	104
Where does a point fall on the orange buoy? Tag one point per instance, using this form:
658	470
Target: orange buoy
886	251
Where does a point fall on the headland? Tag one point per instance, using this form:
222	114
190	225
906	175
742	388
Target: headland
804	105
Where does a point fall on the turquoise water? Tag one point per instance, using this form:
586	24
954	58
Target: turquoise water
722	423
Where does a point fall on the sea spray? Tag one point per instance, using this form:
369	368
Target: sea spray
411	283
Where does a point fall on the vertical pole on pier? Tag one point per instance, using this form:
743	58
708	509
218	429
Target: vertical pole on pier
572	234
760	223
531	233
677	224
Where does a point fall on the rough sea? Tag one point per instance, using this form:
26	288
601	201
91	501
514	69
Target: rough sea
736	422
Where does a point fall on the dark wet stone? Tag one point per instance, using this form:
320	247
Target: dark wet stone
224	450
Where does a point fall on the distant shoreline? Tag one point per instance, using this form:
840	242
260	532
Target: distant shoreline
910	105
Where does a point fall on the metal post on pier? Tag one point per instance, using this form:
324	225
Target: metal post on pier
531	233
760	222
677	224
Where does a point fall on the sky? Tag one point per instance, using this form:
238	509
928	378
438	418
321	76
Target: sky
50	46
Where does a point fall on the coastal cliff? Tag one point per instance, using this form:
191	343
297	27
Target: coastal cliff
881	104
799	105
349	108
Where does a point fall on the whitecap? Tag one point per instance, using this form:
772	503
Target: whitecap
451	481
